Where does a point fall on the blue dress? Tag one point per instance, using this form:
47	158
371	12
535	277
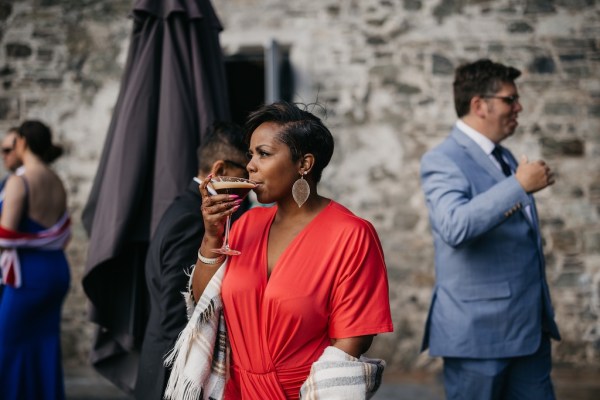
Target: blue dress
30	355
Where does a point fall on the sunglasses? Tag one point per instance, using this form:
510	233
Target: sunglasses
7	150
509	100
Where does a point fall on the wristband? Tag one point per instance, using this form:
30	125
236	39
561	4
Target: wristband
210	261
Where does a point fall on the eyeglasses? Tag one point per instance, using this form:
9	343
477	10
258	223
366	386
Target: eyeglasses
235	164
7	150
509	100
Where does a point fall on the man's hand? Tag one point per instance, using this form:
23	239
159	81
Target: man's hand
533	176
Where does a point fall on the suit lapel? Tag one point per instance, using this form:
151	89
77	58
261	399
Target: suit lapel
487	164
477	154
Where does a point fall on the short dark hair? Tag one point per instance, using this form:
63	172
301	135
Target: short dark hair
39	140
223	141
301	131
479	78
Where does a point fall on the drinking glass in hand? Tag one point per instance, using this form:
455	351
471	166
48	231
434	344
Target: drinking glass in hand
230	185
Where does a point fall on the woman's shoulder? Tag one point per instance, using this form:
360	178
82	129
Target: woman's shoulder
16	185
342	215
343	224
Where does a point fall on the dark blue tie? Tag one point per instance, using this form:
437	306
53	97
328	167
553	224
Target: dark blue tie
497	153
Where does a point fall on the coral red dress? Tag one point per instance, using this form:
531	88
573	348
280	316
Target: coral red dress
330	282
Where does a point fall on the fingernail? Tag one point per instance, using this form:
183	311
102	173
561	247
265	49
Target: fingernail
233	196
235	208
238	201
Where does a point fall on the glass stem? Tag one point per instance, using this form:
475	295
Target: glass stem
226	240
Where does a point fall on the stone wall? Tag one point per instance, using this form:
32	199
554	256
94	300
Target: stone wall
61	62
383	69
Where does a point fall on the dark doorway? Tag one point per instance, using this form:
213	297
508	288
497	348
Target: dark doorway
246	84
247	74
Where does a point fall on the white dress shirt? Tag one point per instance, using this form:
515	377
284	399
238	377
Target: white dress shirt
487	146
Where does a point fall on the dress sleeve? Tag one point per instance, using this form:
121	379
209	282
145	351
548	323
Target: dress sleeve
360	298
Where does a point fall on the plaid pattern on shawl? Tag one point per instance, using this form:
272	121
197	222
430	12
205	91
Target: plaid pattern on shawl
338	375
200	357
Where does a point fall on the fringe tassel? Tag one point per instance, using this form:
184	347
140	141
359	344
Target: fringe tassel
179	385
207	314
200	357
185	390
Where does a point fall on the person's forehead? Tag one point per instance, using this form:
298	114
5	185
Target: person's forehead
266	134
9	139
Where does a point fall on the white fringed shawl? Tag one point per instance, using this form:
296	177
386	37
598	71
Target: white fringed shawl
337	375
201	355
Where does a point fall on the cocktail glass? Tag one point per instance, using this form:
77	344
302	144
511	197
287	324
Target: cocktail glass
230	185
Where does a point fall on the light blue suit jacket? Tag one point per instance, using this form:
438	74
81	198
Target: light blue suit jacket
491	298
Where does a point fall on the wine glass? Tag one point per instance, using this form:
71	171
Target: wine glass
230	185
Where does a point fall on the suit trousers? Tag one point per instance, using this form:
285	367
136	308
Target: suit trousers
516	378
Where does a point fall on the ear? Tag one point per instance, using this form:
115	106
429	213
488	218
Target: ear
20	142
218	168
479	106
306	163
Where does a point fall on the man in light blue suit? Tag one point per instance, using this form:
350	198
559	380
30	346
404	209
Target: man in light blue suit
491	317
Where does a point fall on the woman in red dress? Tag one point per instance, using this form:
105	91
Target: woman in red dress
311	274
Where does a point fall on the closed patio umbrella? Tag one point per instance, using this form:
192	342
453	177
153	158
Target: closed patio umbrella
173	87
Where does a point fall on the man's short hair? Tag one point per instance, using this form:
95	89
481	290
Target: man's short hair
480	78
223	141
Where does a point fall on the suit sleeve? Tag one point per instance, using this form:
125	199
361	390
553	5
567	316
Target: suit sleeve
458	214
178	252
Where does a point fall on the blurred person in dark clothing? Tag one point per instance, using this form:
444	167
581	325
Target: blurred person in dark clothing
173	250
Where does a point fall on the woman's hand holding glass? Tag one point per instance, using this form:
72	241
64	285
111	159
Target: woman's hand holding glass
217	209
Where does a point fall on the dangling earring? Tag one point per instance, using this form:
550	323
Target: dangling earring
301	190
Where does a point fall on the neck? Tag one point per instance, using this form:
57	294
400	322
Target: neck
30	159
288	209
476	123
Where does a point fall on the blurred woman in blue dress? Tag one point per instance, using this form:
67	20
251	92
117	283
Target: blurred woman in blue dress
34	229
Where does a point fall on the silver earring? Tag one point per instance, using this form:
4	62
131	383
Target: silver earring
301	190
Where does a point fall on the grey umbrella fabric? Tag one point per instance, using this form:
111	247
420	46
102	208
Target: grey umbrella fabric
173	87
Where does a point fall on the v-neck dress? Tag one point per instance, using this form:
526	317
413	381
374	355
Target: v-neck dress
330	282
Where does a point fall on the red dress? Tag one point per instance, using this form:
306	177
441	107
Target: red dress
330	282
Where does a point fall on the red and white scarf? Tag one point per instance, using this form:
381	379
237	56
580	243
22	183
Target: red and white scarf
54	238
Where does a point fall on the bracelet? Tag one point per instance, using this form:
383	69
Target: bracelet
210	261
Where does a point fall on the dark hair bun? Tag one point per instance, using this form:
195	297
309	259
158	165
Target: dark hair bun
39	140
52	153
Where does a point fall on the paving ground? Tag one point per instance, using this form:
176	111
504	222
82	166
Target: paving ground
86	384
